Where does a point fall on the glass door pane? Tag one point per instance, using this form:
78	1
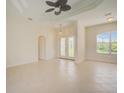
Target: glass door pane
71	47
63	46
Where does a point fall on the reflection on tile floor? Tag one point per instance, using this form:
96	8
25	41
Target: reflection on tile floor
62	76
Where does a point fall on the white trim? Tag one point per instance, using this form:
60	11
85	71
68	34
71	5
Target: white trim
110	43
9	66
98	60
66	46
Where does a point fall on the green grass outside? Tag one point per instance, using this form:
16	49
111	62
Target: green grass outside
103	47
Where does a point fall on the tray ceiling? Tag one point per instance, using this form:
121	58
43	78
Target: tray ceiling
36	8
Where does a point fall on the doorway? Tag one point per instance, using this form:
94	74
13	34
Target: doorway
41	48
67	47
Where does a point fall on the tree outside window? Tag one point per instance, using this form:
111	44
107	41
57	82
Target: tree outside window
107	43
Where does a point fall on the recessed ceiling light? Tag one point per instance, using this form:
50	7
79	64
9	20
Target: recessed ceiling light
110	19
30	18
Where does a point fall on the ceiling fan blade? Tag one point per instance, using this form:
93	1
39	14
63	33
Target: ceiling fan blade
62	2
57	13
50	3
65	8
49	10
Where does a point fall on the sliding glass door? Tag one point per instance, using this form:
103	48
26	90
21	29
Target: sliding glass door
67	47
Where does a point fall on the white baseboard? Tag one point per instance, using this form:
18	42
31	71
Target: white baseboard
105	61
14	65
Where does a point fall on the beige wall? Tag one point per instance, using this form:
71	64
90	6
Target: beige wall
91	33
49	34
22	41
80	42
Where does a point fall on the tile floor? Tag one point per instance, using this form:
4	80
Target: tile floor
62	76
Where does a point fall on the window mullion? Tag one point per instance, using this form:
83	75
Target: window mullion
110	43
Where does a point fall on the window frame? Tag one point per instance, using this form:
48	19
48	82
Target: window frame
110	44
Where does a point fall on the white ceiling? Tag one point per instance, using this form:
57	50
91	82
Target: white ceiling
89	11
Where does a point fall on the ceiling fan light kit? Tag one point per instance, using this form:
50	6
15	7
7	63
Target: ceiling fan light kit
58	6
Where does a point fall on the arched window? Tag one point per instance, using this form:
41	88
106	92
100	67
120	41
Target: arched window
107	43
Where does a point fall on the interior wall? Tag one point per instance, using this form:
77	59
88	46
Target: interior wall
22	41
80	42
49	34
91	33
